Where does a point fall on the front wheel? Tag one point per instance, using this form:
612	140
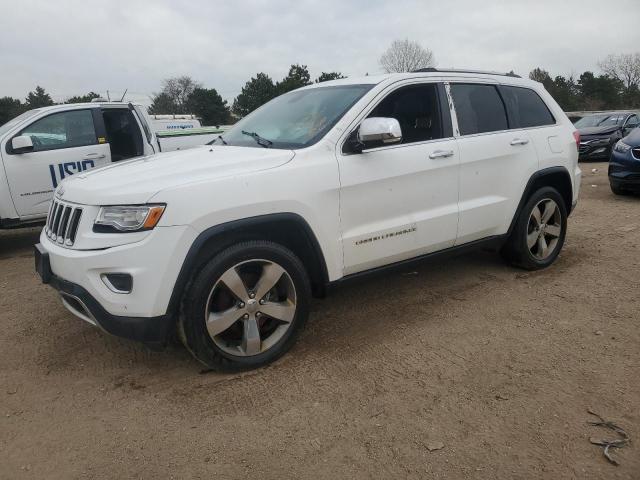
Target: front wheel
539	232
246	306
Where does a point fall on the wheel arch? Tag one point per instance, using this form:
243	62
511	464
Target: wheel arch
287	229
556	177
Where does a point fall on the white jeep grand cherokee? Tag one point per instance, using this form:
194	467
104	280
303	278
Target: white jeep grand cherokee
227	243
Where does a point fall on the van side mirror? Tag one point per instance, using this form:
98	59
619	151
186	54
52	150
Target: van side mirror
22	144
374	130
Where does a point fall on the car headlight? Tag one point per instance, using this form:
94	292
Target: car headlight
128	218
621	147
600	142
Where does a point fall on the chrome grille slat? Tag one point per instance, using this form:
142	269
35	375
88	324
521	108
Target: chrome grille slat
62	223
73	226
56	222
52	215
46	224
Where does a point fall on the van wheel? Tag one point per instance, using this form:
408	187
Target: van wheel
539	232
245	307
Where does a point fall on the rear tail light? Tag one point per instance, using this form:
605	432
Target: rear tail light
576	136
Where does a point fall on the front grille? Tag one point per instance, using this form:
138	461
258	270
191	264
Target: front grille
62	223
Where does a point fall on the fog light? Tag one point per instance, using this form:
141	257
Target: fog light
118	282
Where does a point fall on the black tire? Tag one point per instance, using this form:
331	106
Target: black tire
516	250
618	190
192	327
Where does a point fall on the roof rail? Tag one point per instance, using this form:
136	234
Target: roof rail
453	70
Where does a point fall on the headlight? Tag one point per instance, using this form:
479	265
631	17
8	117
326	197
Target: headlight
621	147
600	142
128	218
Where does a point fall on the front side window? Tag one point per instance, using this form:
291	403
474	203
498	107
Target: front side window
416	109
632	122
69	129
296	119
526	108
479	108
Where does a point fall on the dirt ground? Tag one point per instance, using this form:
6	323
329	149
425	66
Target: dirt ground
495	365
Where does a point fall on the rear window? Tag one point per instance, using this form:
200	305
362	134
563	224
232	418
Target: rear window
525	108
479	108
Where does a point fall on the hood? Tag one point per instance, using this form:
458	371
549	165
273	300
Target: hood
136	181
606	130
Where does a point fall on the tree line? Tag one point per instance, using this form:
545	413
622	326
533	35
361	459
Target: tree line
185	95
616	86
12	107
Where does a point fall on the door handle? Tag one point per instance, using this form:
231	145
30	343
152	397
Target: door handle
441	154
95	156
519	141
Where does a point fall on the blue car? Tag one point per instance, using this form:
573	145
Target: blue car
624	164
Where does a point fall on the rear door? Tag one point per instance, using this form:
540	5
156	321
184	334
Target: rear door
64	143
494	160
529	114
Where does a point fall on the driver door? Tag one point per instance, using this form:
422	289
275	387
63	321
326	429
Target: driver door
64	143
401	201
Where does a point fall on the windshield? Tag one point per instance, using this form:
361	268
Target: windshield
296	119
13	122
606	120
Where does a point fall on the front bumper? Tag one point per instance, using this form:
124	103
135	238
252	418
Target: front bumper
149	330
589	152
154	264
624	171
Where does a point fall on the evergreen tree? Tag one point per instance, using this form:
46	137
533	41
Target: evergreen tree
256	92
38	98
209	106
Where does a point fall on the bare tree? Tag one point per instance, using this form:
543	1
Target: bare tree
178	90
406	56
624	67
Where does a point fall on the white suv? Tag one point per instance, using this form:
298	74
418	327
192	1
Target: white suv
227	243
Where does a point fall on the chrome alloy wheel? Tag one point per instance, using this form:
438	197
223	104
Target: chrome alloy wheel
544	229
250	307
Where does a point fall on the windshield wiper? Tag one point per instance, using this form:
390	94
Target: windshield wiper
259	140
222	140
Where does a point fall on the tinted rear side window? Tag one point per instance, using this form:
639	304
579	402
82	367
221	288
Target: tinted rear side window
479	108
525	108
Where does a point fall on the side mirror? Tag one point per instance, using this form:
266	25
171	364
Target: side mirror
379	129
22	144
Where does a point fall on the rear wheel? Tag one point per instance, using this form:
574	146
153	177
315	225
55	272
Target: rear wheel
539	232
246	306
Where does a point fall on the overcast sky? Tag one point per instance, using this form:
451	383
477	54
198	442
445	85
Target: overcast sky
74	46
